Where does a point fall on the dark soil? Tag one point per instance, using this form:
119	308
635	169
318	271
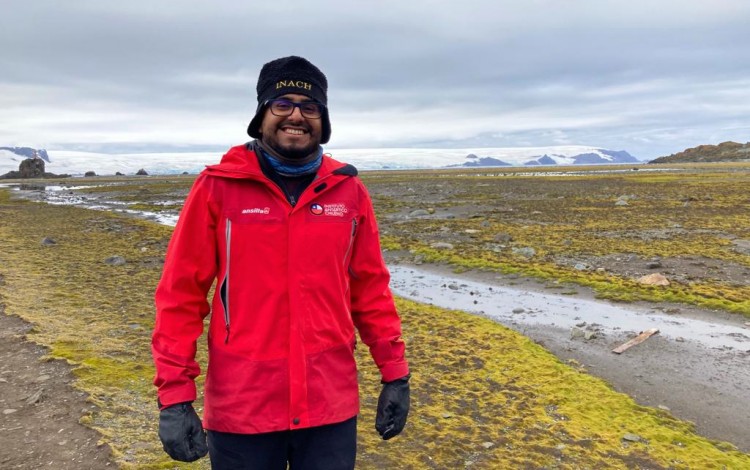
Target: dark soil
40	409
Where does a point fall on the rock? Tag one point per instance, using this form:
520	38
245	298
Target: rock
31	168
447	415
453	286
655	279
494	247
526	252
503	238
35	397
654	265
141	172
47	241
119	174
664	408
115	261
580	267
519	310
8	411
488	445
621	202
419	213
577	333
742	246
442	246
90	173
42	378
485	224
471	231
589	335
630	437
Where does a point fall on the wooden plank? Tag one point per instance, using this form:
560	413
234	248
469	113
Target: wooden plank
637	340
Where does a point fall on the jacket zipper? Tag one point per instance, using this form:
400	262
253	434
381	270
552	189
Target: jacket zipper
226	279
351	241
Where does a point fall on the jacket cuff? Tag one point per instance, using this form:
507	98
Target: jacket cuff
394	371
184	394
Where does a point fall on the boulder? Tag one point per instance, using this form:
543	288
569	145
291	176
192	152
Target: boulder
442	246
31	168
90	173
742	246
141	172
526	252
115	261
419	213
655	279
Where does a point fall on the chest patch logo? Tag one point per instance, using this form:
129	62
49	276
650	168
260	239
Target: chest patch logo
329	210
316	209
257	210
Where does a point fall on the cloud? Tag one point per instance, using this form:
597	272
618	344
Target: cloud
651	79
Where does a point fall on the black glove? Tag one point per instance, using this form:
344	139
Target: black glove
393	407
181	433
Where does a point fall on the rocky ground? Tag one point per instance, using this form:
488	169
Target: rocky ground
703	384
40	410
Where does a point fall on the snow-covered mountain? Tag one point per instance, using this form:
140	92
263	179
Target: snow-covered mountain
25	152
78	163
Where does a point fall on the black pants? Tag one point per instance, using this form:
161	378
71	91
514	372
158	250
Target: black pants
330	447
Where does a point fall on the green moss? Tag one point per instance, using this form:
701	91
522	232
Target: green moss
474	382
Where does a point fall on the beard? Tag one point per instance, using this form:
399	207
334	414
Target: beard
292	152
289	149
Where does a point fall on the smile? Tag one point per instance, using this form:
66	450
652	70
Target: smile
289	130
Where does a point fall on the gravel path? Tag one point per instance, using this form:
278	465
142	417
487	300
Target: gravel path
40	410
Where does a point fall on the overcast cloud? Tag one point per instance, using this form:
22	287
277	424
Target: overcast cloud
650	77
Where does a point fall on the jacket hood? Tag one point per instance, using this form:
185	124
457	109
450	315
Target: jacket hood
242	162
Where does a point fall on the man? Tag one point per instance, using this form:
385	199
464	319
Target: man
290	236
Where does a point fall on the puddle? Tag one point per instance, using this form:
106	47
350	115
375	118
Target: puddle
66	195
539	309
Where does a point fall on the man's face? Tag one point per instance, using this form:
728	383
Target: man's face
293	136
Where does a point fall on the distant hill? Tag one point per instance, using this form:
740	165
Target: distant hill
724	152
564	156
78	163
475	161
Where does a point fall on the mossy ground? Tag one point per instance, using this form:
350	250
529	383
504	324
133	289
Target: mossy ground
483	396
692	212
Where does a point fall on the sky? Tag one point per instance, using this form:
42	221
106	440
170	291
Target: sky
652	77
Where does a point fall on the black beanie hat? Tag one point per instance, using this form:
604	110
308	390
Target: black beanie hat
291	75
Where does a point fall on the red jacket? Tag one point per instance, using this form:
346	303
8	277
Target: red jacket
292	285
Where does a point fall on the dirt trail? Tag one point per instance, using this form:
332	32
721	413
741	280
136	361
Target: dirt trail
40	410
